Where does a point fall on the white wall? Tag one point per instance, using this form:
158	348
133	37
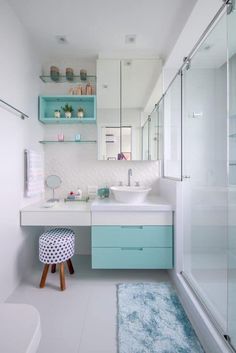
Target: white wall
18	86
197	22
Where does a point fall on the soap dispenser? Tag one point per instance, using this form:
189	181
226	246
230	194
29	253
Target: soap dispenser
79	194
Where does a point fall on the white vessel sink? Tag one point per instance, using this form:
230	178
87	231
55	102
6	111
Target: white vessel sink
130	194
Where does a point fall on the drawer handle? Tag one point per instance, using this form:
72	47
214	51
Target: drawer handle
139	249
132	227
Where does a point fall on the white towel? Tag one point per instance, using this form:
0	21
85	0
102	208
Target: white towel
34	173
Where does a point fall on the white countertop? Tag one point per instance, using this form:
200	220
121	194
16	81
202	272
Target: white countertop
61	206
153	203
154	210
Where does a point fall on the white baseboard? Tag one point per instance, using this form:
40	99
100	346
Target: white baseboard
209	337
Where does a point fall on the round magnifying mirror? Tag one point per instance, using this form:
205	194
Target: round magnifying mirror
53	182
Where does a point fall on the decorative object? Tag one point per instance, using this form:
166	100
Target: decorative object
57	113
68	110
60	137
69	74
77	137
71	91
88	89
80	113
103	192
79	90
54	73
83	199
79	194
83	75
152	319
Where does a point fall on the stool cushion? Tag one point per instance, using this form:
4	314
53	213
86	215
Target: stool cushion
56	245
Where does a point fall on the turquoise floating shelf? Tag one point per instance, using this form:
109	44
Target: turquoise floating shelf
48	104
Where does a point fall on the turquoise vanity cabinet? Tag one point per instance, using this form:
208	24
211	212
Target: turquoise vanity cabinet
48	104
132	246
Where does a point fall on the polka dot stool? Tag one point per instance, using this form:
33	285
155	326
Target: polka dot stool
56	246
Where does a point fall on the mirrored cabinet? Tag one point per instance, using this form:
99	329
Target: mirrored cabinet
124	88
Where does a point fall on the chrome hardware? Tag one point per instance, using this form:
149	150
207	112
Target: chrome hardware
230	6
186	177
187	62
129	176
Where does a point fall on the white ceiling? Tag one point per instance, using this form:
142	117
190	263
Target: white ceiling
98	26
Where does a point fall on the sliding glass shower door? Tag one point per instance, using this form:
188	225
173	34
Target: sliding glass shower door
231	19
205	173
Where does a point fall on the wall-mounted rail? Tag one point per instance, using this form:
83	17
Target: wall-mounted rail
22	115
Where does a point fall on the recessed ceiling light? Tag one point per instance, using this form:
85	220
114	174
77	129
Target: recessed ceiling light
61	39
130	38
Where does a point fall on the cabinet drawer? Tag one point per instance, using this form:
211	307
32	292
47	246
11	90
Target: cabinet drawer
114	218
132	258
132	236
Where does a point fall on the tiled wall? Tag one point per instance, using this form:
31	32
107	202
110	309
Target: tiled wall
79	168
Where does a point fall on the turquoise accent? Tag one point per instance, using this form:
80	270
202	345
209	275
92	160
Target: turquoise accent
103	193
132	258
48	104
136	247
151	319
142	236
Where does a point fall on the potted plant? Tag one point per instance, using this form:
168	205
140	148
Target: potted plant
68	110
81	112
57	113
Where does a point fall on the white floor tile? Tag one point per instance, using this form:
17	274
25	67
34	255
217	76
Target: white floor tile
82	319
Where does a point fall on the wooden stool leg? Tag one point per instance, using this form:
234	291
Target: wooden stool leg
62	276
70	266
44	276
53	268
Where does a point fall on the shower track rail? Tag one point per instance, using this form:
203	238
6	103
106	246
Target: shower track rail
207	311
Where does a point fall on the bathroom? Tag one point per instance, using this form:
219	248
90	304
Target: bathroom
138	173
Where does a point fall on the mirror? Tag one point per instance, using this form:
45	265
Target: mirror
53	182
125	91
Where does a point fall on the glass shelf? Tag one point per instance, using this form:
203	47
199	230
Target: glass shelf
63	79
67	141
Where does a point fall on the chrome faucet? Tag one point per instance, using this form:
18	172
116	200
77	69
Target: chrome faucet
129	175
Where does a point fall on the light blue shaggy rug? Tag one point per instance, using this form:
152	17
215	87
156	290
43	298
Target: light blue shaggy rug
152	320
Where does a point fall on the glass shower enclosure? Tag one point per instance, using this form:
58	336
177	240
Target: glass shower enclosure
209	174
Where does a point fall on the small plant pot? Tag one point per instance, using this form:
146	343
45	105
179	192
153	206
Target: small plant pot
57	114
68	115
80	114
